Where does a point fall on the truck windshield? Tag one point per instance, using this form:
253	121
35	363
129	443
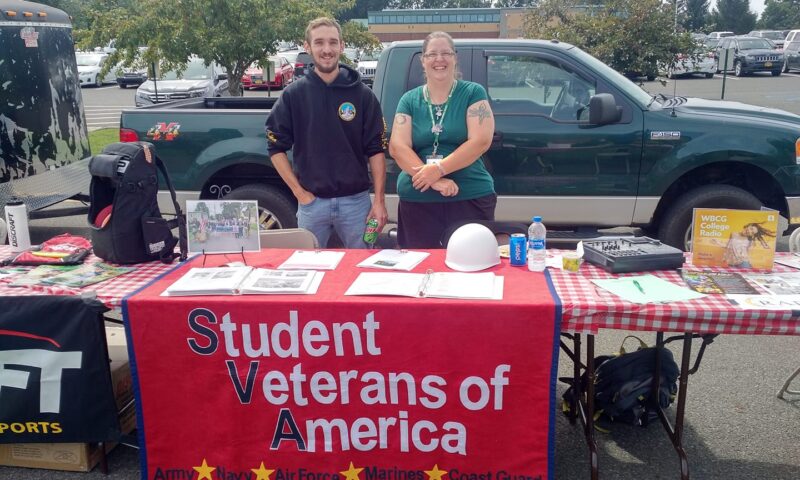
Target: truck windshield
776	35
370	57
195	70
754	44
617	79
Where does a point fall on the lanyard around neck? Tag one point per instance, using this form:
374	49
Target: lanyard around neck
436	128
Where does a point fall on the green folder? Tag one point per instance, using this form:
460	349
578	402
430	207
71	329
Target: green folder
650	289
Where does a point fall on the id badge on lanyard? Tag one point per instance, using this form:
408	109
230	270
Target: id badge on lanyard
433	159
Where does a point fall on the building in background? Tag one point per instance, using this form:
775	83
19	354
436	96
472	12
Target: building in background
391	25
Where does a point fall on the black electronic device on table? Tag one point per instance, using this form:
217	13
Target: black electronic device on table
632	254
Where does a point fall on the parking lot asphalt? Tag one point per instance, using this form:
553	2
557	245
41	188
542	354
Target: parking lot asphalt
735	428
759	89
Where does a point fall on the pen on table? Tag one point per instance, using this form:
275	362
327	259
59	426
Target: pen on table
638	287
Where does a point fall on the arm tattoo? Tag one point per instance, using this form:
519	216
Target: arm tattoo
481	111
401	119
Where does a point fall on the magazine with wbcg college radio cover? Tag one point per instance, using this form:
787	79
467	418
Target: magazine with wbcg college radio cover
734	238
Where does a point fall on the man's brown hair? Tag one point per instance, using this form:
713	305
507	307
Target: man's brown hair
322	22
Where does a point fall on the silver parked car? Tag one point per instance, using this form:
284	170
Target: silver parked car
198	80
776	36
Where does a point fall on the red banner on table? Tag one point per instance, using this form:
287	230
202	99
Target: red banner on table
320	387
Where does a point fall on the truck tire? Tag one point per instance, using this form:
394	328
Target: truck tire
675	227
275	210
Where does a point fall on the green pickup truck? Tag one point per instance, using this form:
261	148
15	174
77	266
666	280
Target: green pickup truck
575	142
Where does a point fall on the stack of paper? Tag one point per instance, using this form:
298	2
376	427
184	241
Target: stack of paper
312	260
276	281
431	284
647	289
209	281
244	280
395	260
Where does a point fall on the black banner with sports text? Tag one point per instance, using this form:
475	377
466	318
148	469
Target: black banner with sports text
55	384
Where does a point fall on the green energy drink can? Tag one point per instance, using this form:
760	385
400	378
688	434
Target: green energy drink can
371	232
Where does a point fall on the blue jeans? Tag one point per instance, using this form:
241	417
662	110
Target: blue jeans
348	215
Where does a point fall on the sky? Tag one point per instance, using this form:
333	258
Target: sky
756	6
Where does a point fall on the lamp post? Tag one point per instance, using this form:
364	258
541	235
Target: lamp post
675	26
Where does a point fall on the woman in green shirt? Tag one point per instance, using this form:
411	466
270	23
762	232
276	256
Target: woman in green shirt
440	131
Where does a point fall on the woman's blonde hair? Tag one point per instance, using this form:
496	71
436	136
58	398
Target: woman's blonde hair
446	36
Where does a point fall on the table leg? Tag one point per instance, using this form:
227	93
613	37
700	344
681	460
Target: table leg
103	458
576	378
582	403
675	434
589	423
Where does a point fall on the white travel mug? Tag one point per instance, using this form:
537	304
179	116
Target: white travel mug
17	223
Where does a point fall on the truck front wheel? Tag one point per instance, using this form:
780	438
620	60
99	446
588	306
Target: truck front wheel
275	210
676	227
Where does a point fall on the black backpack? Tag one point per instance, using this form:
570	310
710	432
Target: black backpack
126	224
622	388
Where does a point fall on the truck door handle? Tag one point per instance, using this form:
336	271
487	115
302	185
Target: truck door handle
497	140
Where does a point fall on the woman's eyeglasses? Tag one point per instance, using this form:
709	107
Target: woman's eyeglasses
431	55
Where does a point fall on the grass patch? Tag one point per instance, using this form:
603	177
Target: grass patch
98	139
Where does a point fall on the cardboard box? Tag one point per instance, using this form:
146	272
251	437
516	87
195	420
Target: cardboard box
120	367
82	457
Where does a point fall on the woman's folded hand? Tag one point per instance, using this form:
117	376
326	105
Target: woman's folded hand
446	187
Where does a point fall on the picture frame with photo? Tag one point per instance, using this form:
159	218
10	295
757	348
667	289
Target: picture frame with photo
222	226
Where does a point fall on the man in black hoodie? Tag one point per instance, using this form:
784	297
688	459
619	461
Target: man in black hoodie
333	124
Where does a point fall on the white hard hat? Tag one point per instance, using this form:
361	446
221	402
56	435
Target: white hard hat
472	247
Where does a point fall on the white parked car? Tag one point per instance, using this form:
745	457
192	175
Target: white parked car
701	62
718	35
367	63
792	39
197	80
89	66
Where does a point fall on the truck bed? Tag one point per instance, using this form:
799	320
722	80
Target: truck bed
215	103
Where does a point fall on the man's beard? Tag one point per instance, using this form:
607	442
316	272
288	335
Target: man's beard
326	70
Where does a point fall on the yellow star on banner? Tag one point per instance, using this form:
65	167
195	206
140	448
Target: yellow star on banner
204	471
435	474
262	473
352	472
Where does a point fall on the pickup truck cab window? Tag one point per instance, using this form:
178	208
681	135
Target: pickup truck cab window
543	142
532	85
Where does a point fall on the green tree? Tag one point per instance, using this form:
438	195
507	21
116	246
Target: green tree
202	207
232	34
79	9
734	16
431	4
696	15
514	3
357	36
780	15
628	36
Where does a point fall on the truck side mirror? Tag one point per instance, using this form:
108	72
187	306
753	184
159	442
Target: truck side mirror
222	76
603	109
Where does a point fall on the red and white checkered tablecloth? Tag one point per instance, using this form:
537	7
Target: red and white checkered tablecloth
110	292
585	308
